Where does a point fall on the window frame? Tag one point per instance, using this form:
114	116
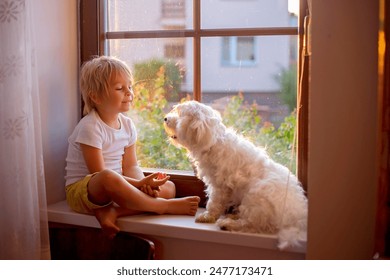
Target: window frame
93	40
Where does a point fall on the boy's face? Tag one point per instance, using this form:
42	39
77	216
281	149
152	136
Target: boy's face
120	95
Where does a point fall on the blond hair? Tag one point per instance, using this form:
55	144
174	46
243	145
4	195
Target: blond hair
95	78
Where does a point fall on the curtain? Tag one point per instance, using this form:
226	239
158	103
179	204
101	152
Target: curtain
23	217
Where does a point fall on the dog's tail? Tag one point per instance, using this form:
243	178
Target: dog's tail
291	237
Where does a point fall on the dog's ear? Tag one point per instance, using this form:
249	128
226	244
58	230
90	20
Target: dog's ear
202	130
201	124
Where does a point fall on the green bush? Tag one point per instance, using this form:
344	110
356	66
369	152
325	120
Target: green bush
288	86
155	151
148	70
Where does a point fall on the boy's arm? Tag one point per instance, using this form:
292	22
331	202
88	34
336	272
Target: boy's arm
130	166
134	175
93	158
130	169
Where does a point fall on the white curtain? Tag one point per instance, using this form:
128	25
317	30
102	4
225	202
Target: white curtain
23	217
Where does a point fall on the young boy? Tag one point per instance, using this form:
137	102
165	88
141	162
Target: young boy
102	174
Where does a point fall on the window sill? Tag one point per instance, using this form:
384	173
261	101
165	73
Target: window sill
179	231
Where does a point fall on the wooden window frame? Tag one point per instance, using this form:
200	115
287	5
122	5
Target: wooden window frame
382	238
92	40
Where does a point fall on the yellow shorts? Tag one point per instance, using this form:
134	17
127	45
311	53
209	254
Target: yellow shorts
77	197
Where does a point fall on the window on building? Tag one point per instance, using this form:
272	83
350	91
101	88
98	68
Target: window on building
174	49
238	51
173	8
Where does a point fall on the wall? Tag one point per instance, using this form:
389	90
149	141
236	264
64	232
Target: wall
56	46
342	130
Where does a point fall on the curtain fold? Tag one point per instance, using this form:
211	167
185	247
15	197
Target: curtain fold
23	216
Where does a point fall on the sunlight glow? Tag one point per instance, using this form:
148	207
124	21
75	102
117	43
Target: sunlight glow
293	6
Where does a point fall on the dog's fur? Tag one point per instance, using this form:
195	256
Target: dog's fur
266	196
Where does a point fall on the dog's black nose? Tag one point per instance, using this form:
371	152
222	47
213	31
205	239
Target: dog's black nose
165	119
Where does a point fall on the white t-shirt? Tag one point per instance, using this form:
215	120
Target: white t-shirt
92	131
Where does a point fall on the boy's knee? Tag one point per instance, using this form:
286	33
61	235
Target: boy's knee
168	190
108	175
170	183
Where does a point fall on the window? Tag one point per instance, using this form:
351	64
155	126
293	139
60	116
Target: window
173	9
186	45
238	51
174	51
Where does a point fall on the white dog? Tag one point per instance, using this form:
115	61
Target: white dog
266	196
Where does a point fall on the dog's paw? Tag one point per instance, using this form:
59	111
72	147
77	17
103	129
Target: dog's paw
205	218
229	224
224	224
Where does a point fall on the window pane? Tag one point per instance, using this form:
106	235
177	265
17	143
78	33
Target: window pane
246	14
138	15
160	82
258	100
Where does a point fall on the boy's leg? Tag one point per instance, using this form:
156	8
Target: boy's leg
107	216
108	185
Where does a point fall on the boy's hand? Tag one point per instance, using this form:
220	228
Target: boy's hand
161	175
151	183
154	180
149	191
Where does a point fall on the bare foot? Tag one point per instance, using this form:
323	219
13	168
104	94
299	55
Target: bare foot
107	218
183	206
